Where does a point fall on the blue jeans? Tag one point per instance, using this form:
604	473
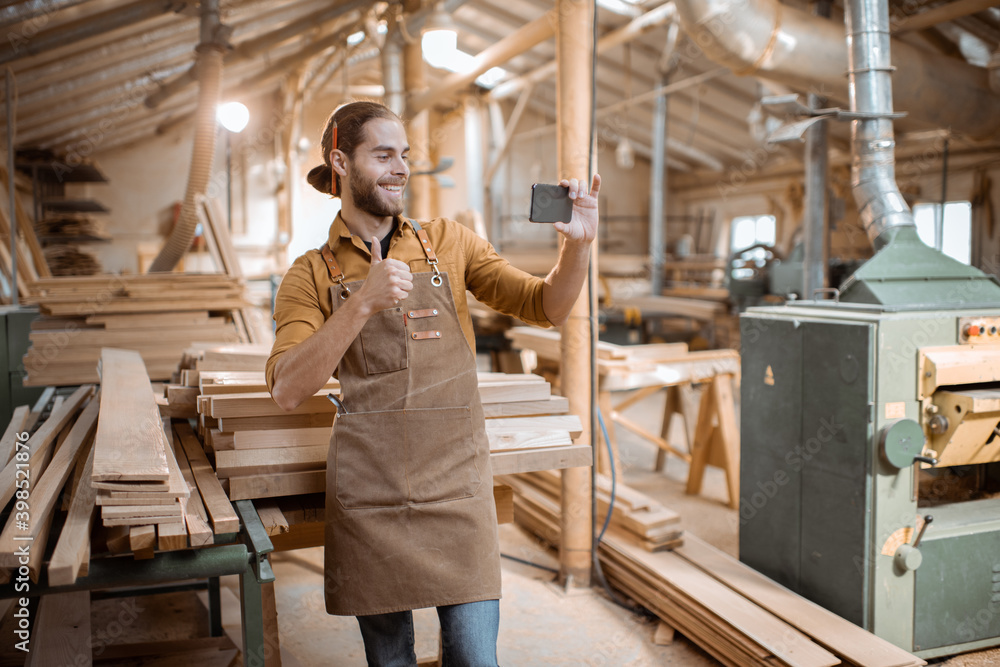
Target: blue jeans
468	636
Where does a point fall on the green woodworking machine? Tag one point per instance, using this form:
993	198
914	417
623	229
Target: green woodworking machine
870	449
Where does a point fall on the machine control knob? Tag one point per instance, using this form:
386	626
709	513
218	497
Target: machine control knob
908	557
938	424
973	330
902	442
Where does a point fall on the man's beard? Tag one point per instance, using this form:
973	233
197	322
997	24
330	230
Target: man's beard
364	191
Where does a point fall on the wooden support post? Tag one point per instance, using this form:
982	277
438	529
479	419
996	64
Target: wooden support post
717	438
574	40
418	190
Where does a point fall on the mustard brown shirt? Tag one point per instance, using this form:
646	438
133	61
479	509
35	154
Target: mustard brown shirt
303	301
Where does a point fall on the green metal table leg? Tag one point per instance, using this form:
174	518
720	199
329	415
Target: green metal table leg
253	619
258	572
214	608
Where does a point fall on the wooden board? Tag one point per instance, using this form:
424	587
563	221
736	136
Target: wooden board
142	540
855	644
195	514
74	540
567	456
277	484
291	437
224	519
61	631
130	443
273	460
44	491
39	445
16	425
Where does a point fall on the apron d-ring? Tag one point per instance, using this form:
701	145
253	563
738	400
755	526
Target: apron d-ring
436	279
345	291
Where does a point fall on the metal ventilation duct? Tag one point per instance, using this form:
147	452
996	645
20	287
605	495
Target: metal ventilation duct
774	41
873	175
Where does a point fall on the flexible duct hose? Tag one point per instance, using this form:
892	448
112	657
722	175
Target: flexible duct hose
202	157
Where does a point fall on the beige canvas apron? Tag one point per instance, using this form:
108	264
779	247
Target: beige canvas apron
410	518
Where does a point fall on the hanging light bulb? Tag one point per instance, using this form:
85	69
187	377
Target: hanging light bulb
234	116
440	37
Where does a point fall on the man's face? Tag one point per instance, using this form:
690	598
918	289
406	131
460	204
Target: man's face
378	171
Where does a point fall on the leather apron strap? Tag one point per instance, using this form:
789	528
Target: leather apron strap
337	276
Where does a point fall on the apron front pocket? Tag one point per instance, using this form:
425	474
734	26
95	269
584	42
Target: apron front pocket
441	454
404	457
367	450
383	340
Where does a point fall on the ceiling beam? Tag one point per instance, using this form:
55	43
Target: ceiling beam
655	17
940	14
523	39
21	45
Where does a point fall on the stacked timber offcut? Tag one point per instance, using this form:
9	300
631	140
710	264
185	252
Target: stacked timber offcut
142	478
645	521
158	315
262	451
736	614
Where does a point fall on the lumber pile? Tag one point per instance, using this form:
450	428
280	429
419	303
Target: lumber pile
104	451
158	315
625	367
69	260
646	522
261	451
734	613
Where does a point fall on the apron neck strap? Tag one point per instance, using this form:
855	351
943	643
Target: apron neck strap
336	275
432	259
425	243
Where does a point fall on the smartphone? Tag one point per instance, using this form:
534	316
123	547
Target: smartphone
550	203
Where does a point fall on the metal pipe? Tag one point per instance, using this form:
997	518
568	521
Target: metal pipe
573	103
392	69
203	151
418	192
814	222
771	40
873	174
816	208
19	46
475	192
635	28
658	192
12	213
516	43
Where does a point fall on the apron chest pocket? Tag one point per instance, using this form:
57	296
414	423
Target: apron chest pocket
383	340
404	457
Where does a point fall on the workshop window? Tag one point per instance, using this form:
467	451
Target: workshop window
952	233
749	230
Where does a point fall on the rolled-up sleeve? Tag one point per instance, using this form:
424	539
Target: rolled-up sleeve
505	288
297	312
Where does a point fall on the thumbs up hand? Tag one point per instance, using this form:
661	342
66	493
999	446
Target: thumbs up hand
389	281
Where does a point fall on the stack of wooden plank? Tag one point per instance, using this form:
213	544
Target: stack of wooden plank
69	260
142	478
158	315
737	615
264	451
645	521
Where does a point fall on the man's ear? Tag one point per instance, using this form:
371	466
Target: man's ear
338	160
